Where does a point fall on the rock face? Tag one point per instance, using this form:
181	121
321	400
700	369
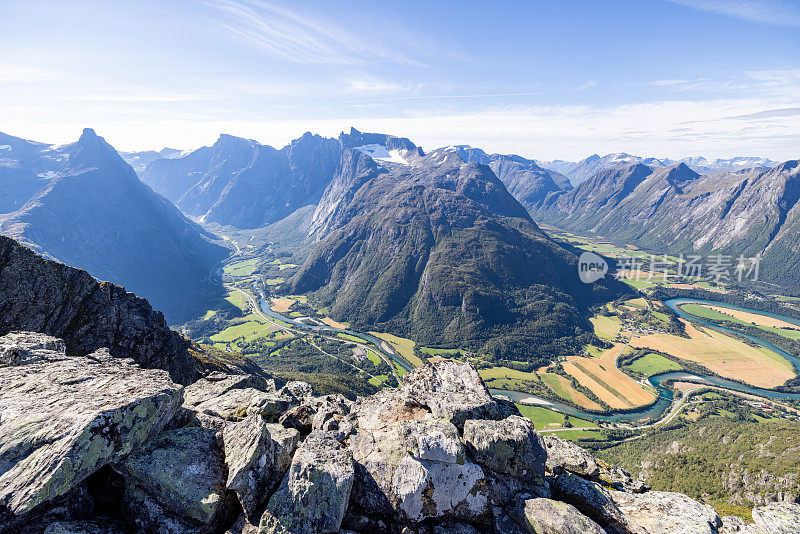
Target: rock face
64	417
45	296
510	446
96	445
314	495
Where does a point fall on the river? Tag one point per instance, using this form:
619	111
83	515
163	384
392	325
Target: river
648	413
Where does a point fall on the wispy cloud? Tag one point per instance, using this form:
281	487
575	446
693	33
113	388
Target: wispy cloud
291	35
588	85
773	82
778	12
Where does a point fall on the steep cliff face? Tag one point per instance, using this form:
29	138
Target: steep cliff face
45	296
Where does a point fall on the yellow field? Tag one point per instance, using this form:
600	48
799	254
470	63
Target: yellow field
281	305
722	354
606	327
402	345
563	388
330	322
760	320
610	384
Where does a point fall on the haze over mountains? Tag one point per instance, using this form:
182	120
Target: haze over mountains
83	205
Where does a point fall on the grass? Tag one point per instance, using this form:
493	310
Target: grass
543	418
606	327
402	345
723	354
652	364
563	388
241	268
251	326
373	357
399	368
274	281
764	322
440	352
574	435
350	338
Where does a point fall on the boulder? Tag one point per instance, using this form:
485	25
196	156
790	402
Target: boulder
510	446
257	454
182	471
297	389
62	418
314	494
451	390
231	397
99	525
664	512
568	456
732	525
778	518
594	501
418	470
546	516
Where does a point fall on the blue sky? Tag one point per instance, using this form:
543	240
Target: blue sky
556	79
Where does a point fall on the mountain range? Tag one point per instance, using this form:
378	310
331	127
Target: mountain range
579	172
84	206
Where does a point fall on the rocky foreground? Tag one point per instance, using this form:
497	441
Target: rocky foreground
96	444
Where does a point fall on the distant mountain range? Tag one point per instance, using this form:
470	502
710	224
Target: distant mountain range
140	160
579	172
83	205
677	210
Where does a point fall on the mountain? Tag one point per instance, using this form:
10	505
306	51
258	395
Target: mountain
41	295
524	179
583	170
578	172
436	248
140	160
241	183
674	209
83	205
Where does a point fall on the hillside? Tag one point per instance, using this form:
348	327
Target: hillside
437	249
674	209
41	295
83	205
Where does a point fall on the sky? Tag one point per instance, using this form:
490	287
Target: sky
543	79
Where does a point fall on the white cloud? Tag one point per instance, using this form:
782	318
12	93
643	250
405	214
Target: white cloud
588	85
778	12
291	35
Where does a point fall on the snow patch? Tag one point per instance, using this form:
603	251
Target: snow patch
379	153
5	147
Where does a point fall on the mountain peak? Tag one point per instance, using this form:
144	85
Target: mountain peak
88	133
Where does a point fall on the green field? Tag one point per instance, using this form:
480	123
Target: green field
706	313
440	352
241	268
251	326
542	417
373	357
606	327
652	364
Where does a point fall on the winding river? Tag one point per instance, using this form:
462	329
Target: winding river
652	412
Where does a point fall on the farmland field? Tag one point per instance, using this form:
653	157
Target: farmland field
610	384
765	322
722	354
241	268
402	345
652	364
606	327
562	387
543	418
281	305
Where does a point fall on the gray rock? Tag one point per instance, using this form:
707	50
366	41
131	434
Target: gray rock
732	525
182	470
778	518
510	446
100	525
664	512
256	460
566	455
297	389
594	501
546	516
232	397
417	469
314	494
62	418
451	390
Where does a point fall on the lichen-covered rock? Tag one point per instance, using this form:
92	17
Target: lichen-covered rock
62	418
451	390
183	470
217	384
417	469
257	454
778	518
568	456
314	494
99	525
594	501
510	446
664	512
297	389
232	397
732	525
546	516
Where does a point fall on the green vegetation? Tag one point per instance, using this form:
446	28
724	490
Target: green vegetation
652	364
543	418
242	268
